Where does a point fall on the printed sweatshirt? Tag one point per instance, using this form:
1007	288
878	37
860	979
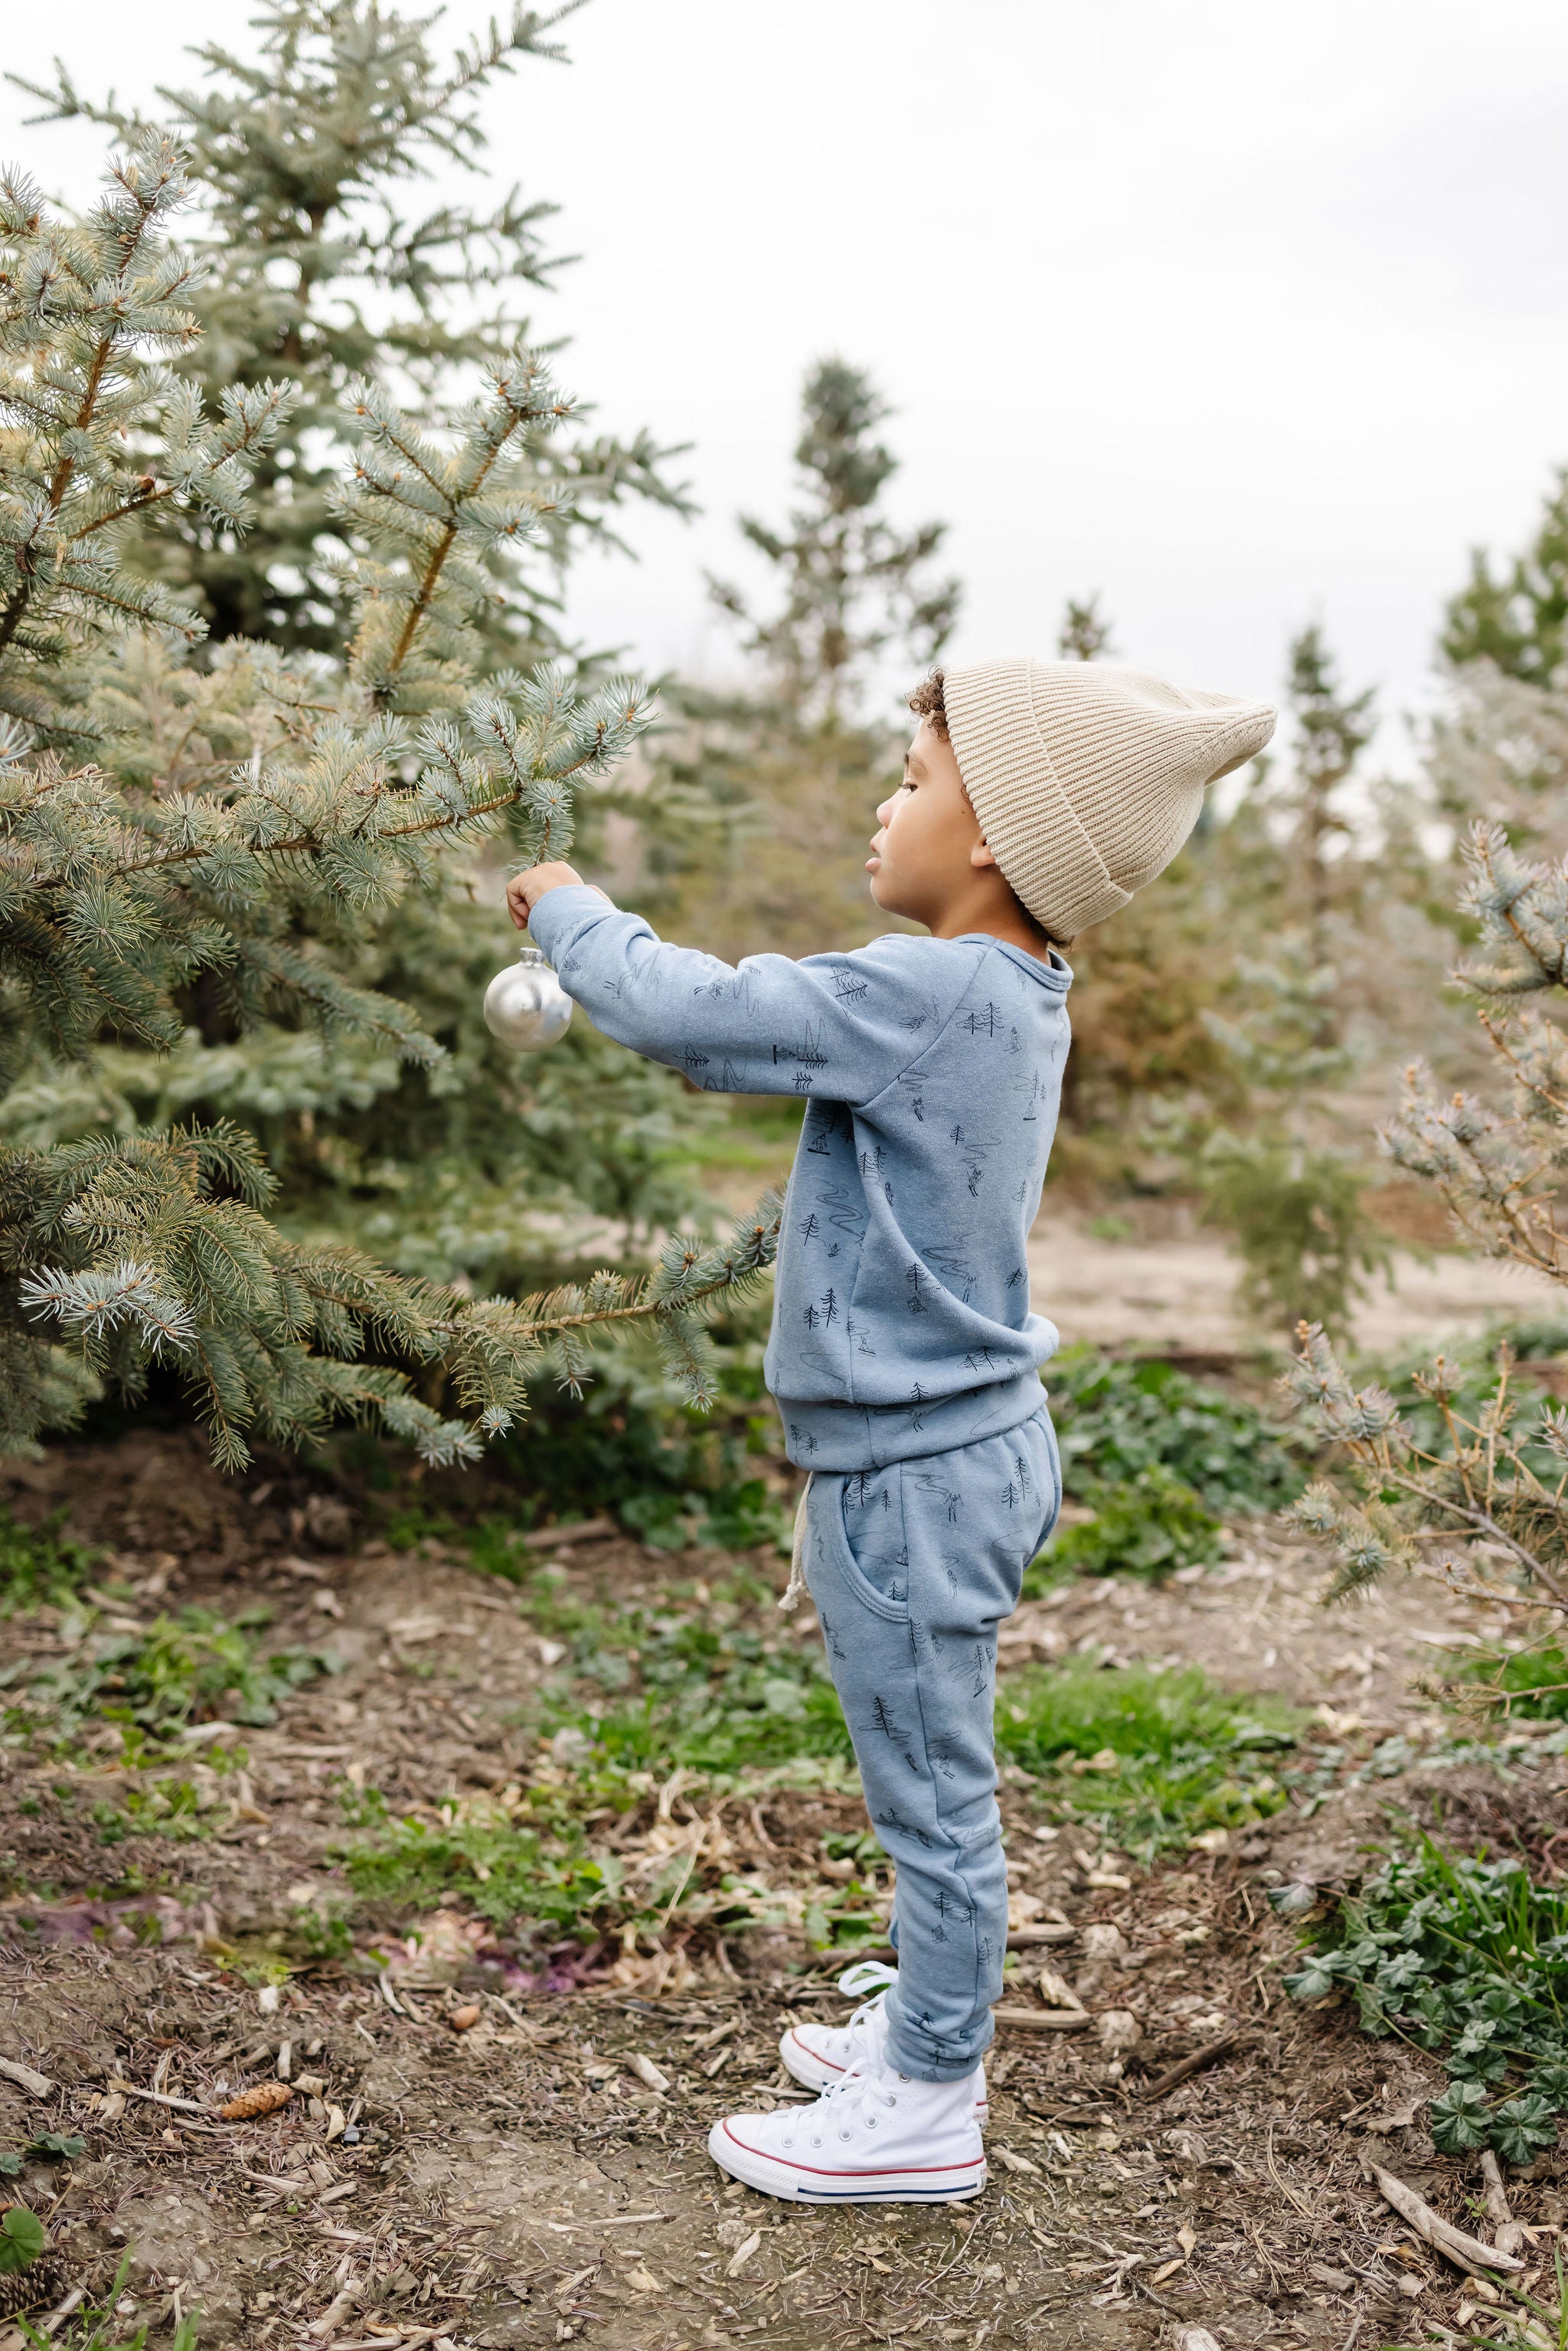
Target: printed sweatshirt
931	1071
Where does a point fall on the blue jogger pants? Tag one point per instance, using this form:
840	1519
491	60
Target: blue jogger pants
912	1568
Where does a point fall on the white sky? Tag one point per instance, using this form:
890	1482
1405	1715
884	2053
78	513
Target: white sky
1240	314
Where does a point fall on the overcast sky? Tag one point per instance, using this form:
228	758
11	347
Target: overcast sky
1240	314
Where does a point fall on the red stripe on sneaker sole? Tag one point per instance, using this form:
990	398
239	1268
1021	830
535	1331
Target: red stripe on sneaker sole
821	2171
815	2056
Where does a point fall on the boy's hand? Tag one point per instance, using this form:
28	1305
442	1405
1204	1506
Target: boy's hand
524	891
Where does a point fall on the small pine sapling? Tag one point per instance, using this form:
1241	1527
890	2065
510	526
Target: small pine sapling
1483	1501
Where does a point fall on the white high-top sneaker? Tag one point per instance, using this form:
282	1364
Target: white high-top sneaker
877	2137
820	2055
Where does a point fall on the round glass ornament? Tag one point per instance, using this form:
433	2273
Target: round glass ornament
526	1007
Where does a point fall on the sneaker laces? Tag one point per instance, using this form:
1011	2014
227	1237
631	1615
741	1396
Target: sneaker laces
863	2086
872	1976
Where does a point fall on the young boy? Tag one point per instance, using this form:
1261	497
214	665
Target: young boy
1036	797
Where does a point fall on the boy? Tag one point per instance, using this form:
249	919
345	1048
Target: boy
903	1358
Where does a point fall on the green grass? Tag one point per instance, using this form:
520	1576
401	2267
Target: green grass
1469	1958
1520	1685
1188	1757
697	1690
719	1688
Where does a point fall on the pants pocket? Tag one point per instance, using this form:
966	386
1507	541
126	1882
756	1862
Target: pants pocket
871	1519
833	1568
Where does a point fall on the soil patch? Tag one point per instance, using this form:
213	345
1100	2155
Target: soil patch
525	2181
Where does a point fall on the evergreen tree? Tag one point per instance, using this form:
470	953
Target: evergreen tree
305	276
1085	632
120	1246
316	276
1280	1177
758	827
75	474
1516	619
852	584
1332	729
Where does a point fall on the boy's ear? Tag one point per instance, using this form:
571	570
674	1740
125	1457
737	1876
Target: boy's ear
981	854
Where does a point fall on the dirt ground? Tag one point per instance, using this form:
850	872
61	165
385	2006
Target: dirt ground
527	2182
1173	1287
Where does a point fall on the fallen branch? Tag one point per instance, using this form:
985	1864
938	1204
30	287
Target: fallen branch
1468	2251
579	1530
1210	2054
1045	2020
161	2098
1022	1938
37	2085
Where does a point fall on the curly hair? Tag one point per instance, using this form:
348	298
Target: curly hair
927	702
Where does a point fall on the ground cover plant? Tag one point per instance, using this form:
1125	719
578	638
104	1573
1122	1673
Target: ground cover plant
1116	1417
1152	1759
1154	1459
1467	1958
153	1681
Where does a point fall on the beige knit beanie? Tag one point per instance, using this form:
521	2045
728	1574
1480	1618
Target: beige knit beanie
1088	777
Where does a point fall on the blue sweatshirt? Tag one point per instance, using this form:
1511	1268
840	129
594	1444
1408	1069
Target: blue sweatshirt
931	1071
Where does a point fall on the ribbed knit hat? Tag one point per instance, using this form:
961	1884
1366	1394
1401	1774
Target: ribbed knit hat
1087	777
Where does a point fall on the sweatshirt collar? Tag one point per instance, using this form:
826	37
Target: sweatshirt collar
1055	975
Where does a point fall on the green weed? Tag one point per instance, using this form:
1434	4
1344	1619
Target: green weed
45	2145
1165	1755
188	1667
1158	1457
655	1690
1116	1420
1149	1526
39	1567
95	2326
513	1875
1467	1957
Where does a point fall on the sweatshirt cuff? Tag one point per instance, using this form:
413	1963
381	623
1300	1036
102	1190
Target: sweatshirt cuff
555	913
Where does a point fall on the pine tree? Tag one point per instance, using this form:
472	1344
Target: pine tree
76	474
1516	619
759	820
1279	1177
1332	729
1085	632
852	584
120	1248
1470	1488
477	1165
316	278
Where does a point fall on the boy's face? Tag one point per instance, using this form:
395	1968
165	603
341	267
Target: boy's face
929	843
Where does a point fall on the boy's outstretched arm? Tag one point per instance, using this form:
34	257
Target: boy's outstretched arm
838	1026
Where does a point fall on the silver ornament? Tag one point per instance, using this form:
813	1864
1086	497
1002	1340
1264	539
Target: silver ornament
526	1007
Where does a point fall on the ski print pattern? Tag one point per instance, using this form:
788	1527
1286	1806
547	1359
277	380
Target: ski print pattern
932	1072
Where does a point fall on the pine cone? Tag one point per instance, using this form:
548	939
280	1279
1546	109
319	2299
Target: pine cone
38	2287
265	2099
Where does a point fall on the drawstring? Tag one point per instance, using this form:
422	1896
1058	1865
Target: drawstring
795	1590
